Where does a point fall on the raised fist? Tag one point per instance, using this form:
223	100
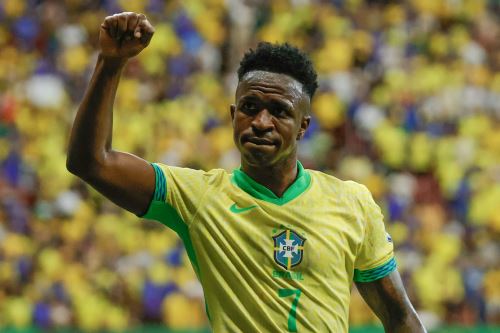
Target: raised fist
124	35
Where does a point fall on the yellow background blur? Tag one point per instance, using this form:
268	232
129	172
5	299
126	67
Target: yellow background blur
408	104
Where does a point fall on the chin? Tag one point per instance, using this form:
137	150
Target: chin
258	159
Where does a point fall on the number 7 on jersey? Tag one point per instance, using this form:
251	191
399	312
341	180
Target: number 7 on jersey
292	317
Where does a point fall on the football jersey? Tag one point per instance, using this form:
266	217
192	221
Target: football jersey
274	264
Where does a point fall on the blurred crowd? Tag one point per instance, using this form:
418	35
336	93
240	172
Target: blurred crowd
408	104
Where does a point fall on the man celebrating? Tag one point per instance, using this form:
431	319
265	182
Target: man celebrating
275	246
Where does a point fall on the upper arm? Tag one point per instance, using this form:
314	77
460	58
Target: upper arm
181	190
125	179
387	298
374	258
376	276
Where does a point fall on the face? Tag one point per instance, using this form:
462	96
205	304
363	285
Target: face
269	117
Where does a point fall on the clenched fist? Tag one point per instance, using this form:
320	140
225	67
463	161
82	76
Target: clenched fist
124	35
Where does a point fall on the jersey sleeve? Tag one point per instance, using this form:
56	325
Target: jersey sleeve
375	258
177	197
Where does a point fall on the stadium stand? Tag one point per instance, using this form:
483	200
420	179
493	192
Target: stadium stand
409	105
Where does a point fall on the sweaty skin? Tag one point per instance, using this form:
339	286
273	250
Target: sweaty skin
270	114
90	153
387	298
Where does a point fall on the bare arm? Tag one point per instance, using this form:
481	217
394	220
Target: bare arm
125	179
388	299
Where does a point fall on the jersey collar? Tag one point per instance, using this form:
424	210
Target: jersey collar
259	191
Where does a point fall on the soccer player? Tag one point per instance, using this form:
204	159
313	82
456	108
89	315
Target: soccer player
275	246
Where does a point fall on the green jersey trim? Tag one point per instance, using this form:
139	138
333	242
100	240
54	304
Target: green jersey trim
167	215
375	273
160	184
161	211
259	191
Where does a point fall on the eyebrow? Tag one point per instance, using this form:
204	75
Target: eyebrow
282	104
249	98
274	101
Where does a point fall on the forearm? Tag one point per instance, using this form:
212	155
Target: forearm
126	179
91	134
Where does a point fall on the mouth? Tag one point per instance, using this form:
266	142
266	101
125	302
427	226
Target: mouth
259	141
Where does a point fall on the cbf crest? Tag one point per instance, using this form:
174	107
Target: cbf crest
288	249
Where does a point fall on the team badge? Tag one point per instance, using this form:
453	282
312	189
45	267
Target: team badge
288	249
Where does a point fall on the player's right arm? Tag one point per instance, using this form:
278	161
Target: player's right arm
125	179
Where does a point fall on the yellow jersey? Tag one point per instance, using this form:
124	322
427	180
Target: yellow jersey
274	264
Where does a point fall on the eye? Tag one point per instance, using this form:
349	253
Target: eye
280	111
248	107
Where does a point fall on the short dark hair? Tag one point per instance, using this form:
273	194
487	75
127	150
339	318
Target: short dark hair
281	58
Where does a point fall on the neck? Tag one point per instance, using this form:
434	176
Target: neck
277	178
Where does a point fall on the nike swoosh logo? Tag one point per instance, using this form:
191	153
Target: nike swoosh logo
235	209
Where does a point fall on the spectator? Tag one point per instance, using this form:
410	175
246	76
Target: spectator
409	105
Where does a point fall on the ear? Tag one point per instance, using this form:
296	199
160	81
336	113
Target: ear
304	124
232	109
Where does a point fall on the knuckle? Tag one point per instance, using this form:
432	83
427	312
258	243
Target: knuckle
133	18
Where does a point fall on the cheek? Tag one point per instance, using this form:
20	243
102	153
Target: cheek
239	125
236	132
288	129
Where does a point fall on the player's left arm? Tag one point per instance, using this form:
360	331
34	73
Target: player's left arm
387	298
376	276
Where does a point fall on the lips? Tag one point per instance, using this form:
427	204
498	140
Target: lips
259	141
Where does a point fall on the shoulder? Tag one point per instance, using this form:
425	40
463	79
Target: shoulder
347	193
181	173
329	182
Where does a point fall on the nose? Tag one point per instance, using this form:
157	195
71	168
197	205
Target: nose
263	121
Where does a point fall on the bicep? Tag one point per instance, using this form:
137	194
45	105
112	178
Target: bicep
125	179
387	298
